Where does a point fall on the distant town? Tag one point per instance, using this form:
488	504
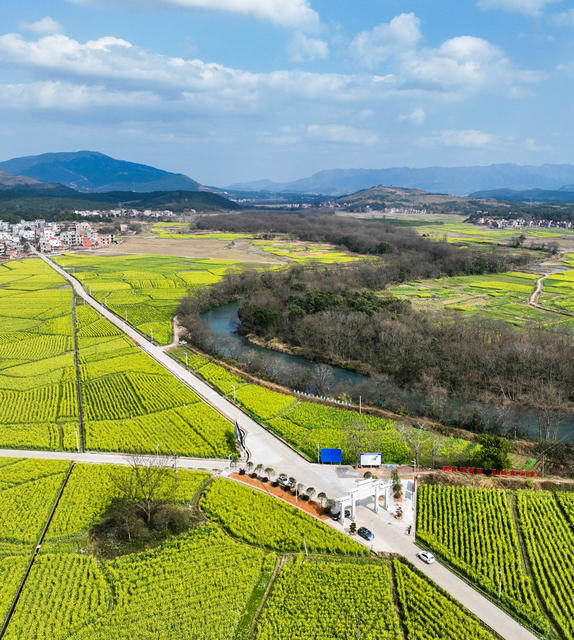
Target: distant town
47	237
522	223
129	213
15	239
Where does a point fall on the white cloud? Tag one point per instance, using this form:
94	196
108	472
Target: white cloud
416	116
45	26
529	7
563	19
470	138
341	133
288	13
386	40
466	64
302	48
117	62
66	96
458	66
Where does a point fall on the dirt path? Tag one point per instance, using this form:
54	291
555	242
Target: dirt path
533	300
177	331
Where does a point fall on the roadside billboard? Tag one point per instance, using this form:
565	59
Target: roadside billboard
333	456
371	459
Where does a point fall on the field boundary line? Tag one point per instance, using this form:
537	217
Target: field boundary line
37	549
78	377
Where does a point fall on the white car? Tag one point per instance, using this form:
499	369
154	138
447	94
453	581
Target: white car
426	556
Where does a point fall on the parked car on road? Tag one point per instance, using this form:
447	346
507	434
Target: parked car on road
426	556
365	533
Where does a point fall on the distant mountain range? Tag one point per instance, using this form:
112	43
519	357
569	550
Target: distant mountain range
455	180
90	171
565	194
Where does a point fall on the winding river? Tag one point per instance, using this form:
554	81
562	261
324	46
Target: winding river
223	322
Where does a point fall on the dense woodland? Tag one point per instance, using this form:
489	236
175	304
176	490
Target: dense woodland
338	314
407	254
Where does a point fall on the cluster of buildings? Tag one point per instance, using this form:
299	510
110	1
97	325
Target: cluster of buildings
129	213
523	223
49	236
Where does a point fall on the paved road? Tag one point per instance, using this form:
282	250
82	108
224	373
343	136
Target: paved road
112	458
267	449
391	537
263	447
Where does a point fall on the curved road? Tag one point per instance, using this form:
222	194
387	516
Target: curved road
268	450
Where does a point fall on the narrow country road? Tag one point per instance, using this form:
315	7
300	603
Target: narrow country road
533	300
391	537
265	448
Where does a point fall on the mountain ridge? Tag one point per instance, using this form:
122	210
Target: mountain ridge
95	172
458	181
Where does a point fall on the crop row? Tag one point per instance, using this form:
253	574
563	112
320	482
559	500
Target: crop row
428	613
324	600
549	541
261	519
473	530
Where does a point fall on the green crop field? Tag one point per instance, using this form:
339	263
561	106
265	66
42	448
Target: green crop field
131	403
305	425
503	296
428	613
527	536
37	373
471	234
28	489
320	599
549	540
263	520
144	290
558	291
234	576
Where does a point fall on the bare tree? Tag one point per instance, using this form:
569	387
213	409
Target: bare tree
416	438
147	482
549	418
357	436
322	378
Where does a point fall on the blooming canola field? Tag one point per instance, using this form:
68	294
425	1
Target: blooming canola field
226	578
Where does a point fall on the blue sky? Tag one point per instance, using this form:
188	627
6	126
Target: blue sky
233	90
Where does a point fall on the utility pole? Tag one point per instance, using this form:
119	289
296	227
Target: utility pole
186	361
318	453
77	440
234	398
157	451
360	405
499	584
305	545
359	624
151	330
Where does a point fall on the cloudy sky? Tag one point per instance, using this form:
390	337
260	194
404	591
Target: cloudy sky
230	90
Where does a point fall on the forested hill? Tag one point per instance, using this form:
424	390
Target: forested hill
42	200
